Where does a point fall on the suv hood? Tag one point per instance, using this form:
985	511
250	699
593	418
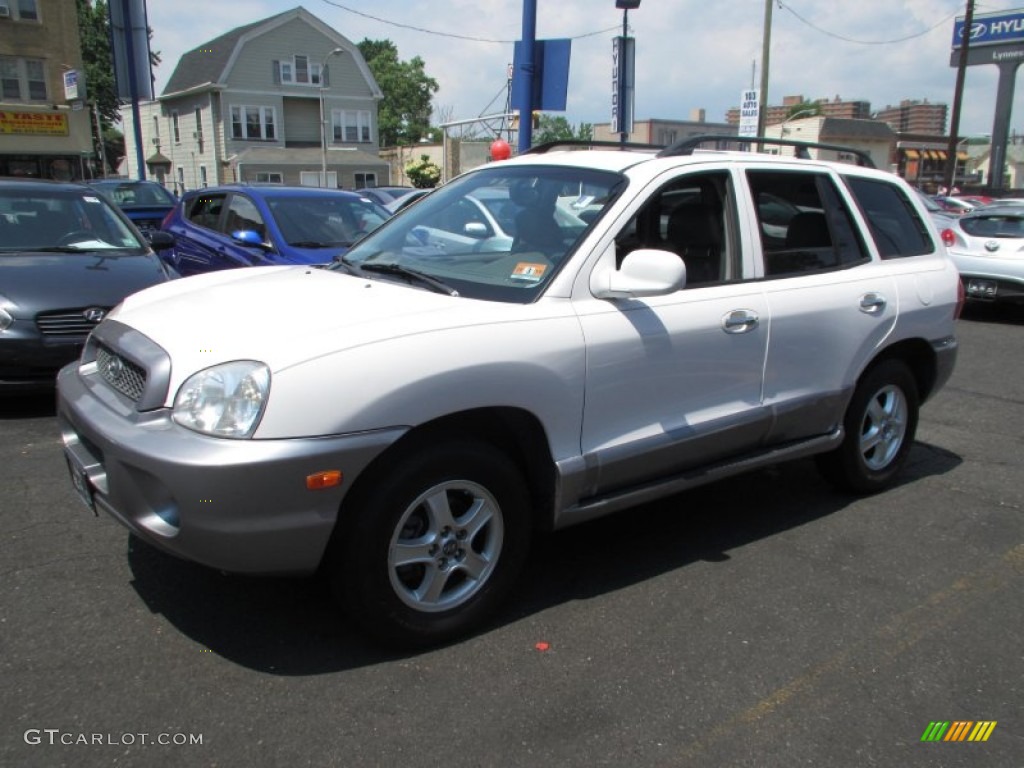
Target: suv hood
283	316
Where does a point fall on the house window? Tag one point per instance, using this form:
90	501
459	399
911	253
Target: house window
28	10
253	123
156	126
301	69
287	72
269	177
22	79
351	125
175	130
366	180
202	176
315	74
199	129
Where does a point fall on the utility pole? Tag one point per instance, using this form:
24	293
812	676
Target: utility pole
766	48
958	94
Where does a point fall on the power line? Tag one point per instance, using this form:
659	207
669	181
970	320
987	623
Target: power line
826	32
470	38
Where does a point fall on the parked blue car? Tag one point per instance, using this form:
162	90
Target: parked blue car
241	226
145	203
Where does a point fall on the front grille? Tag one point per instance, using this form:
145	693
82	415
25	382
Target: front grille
69	322
120	373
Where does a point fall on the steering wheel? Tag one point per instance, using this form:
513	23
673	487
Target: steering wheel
76	236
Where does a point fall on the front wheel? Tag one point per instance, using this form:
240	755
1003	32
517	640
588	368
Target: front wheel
880	425
430	545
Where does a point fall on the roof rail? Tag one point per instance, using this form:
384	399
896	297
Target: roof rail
547	146
688	145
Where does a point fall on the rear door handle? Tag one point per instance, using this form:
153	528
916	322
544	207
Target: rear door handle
739	321
872	303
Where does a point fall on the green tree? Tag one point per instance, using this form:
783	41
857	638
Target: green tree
557	128
94	35
403	116
804	109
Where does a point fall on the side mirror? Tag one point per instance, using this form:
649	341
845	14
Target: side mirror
644	272
159	240
249	237
475	229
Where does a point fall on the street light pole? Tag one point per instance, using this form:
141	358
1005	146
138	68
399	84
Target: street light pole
323	120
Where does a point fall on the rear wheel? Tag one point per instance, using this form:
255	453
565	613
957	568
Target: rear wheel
427	549
880	425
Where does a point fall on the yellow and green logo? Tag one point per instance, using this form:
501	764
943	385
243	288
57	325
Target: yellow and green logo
958	730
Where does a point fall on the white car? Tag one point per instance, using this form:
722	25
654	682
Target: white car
987	246
408	416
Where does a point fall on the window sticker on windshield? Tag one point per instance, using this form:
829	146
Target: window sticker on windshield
90	199
530	272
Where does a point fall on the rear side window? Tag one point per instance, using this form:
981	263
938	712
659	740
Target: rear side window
204	210
803	223
895	226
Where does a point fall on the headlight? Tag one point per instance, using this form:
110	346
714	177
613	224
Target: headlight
226	400
6	313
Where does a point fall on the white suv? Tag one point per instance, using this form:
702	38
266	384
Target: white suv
646	321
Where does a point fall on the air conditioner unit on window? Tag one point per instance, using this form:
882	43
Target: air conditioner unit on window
5	11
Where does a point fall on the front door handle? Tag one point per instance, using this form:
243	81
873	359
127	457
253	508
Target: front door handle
872	303
739	321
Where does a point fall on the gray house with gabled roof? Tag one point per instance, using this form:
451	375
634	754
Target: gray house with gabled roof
246	107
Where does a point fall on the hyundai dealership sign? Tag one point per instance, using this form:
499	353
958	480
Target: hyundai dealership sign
991	28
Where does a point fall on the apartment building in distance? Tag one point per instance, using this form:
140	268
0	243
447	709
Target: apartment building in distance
920	117
857	109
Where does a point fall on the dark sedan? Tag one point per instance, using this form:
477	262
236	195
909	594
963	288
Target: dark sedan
67	257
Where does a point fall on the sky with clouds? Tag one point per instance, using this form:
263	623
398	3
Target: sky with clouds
691	54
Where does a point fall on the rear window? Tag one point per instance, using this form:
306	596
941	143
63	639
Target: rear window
895	227
993	225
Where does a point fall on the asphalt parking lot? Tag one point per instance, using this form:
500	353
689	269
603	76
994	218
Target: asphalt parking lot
761	621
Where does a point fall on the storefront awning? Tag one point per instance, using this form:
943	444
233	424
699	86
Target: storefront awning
912	154
940	155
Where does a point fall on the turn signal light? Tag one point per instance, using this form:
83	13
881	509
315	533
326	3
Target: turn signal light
321	480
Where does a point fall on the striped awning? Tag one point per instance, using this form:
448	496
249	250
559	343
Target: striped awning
912	154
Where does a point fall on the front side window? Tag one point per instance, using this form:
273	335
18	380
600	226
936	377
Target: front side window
694	217
244	215
803	223
894	224
498	233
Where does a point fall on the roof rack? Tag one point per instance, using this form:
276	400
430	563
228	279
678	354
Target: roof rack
547	146
688	145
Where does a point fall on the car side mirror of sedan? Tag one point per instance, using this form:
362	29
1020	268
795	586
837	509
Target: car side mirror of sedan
159	240
644	272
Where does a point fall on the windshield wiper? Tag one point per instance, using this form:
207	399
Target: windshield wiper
397	269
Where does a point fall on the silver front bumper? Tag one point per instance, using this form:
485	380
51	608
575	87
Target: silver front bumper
235	505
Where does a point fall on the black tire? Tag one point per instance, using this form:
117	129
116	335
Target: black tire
880	425
463	511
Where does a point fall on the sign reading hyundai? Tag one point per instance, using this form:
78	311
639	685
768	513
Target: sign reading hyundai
991	28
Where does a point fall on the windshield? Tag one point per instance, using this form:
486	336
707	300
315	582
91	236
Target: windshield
323	221
500	233
61	219
138	195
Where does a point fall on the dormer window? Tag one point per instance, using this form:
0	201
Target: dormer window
298	70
